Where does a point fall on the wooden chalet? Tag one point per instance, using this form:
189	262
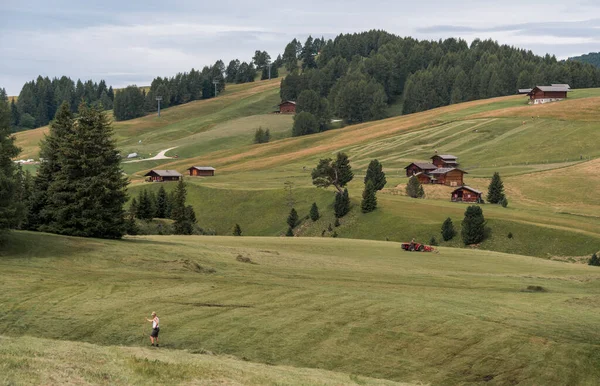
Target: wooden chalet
287	107
546	94
466	194
163	175
447	176
444	161
202	171
419	167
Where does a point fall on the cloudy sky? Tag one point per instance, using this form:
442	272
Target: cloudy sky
131	41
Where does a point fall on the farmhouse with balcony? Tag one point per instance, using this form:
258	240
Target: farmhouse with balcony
546	94
466	194
202	171
443	169
163	175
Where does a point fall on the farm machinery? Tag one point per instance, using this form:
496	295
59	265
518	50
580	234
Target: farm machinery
417	247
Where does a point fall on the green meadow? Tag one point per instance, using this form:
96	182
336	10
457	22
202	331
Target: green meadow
358	307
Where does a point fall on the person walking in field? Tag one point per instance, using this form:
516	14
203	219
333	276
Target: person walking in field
155	329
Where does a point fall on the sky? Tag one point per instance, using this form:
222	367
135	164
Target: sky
131	42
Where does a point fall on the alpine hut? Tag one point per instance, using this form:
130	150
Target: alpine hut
466	194
163	175
202	171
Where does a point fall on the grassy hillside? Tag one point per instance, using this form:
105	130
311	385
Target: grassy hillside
27	360
357	307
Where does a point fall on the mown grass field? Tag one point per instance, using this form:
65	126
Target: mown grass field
363	308
27	360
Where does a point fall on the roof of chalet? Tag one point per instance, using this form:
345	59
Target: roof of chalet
210	168
468	188
445	170
551	88
164	173
284	102
424	174
423	165
561	85
525	90
446	156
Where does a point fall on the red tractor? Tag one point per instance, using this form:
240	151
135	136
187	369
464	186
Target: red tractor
417	247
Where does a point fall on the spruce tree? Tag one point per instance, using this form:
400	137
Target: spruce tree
594	260
60	128
496	190
237	230
9	210
144	207
504	202
161	203
341	206
369	201
473	225
86	196
448	231
292	219
179	213
314	212
414	188
290	232
375	173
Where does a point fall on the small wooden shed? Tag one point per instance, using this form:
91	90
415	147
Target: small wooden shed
287	107
545	94
163	175
466	194
202	171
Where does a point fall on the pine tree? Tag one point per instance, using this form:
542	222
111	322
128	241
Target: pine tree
369	201
86	196
448	231
60	128
259	135
10	214
179	213
504	202
341	206
375	173
337	173
414	188
473	225
131	227
314	212
144	207
237	230
190	216
290	232
161	203
594	260
495	190
292	219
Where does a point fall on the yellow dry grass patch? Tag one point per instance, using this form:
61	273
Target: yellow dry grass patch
29	142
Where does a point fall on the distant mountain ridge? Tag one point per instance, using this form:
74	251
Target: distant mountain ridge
591	58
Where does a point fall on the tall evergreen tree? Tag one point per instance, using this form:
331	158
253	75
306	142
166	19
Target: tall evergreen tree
61	128
144	207
473	225
183	221
369	201
314	212
9	210
341	206
237	230
376	175
87	194
292	219
448	231
496	190
161	203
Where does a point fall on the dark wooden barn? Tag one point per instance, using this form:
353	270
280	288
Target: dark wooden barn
419	167
287	107
466	194
447	176
444	161
202	171
163	175
545	94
